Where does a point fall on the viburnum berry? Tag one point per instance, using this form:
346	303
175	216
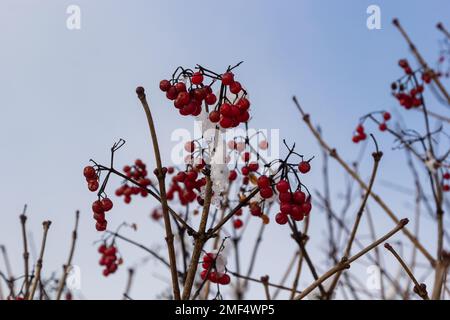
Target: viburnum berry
227	78
224	280
89	172
109	259
93	185
382	126
446	176
386	116
446	188
235	87
164	85
97	207
304	167
197	78
282	186
266	192
263	182
214	116
237	223
107	204
281	218
232	175
211	99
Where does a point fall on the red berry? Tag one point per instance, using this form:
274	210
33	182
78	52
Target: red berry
89	172
263	182
93	185
282	186
266	193
255	210
304	167
355	139
232	175
105	272
226	122
99	217
164	85
306	208
382	126
214	116
235	87
285	208
296	213
192	175
299	197
360	129
386	116
110	251
210	99
245	171
181	87
172	93
243	104
101	226
446	176
285	197
227	78
102	248
97	207
213	277
197	78
224	280
253	166
446	187
107	204
281	218
181	176
237	223
203	274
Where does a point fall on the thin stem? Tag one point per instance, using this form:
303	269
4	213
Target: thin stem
38	269
420	289
126	293
26	254
66	267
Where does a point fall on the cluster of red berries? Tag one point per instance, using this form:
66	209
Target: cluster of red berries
446	186
100	207
109	259
360	134
292	203
208	266
189	92
138	173
91	178
185	184
409	98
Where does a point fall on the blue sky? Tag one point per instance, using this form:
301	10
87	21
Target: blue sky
65	96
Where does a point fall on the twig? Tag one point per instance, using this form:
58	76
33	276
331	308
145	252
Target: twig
37	275
66	267
160	173
265	282
420	289
26	254
126	294
345	264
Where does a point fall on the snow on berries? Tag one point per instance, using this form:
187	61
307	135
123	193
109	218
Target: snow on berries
192	92
214	268
109	259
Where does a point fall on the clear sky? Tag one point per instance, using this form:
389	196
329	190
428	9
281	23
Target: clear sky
67	95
